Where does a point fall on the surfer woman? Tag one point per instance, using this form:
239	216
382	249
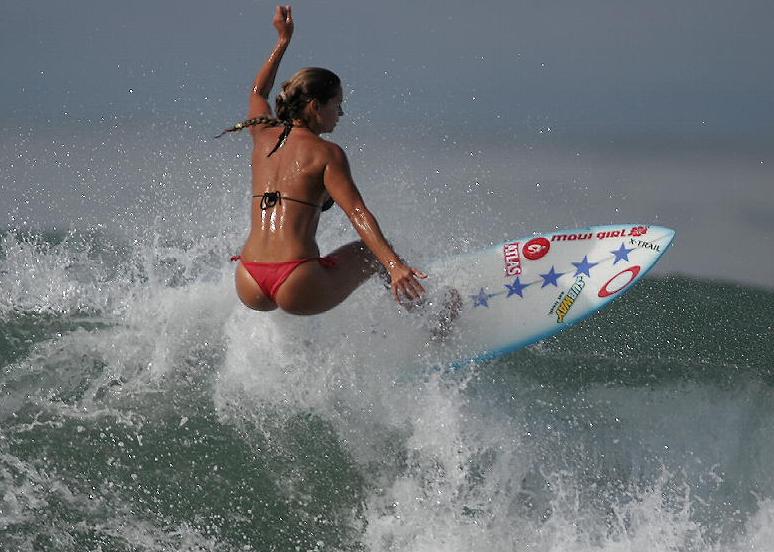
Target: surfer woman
295	176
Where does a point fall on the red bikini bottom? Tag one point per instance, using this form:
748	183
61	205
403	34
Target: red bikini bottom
270	276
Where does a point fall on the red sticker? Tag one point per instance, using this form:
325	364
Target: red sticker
536	248
633	272
512	259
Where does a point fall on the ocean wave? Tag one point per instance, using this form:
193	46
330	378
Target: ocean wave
145	409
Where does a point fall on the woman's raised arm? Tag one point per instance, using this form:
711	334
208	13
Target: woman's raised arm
264	81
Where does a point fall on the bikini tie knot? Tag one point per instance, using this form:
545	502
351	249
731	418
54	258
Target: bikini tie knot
270	199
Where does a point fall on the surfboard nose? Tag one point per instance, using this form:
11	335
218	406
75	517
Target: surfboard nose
662	235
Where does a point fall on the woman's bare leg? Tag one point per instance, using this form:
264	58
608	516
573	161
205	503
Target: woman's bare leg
313	288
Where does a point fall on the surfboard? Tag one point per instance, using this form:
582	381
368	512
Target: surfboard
524	290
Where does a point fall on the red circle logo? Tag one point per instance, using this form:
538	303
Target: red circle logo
620	282
536	248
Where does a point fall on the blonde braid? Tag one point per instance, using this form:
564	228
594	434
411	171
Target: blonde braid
260	120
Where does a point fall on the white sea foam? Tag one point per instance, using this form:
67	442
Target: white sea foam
485	458
475	467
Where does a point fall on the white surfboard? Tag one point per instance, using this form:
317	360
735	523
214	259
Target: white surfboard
525	290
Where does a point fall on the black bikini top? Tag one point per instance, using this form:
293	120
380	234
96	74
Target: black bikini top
270	199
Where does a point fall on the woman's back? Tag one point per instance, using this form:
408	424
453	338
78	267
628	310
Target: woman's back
286	229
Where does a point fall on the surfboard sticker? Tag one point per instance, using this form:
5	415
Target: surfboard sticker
619	281
527	289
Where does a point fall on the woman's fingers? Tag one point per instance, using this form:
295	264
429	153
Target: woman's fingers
284	12
405	284
416	288
406	293
408	288
283	19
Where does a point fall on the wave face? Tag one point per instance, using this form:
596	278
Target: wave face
142	408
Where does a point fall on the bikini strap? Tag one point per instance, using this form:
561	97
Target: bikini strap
270	199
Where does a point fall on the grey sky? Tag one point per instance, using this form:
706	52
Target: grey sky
660	111
678	66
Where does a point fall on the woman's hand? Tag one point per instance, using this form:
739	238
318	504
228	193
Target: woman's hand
283	22
404	281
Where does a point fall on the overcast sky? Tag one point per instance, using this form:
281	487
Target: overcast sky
665	65
108	107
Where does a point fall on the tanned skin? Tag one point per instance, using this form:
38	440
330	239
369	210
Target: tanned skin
311	169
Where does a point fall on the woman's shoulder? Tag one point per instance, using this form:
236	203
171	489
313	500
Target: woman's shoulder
321	146
334	151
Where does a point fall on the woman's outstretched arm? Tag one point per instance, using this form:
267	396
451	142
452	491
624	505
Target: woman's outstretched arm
340	185
264	81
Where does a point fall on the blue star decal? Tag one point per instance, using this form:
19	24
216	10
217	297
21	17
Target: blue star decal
516	288
481	299
621	254
551	277
584	267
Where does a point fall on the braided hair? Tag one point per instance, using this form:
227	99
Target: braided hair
310	83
